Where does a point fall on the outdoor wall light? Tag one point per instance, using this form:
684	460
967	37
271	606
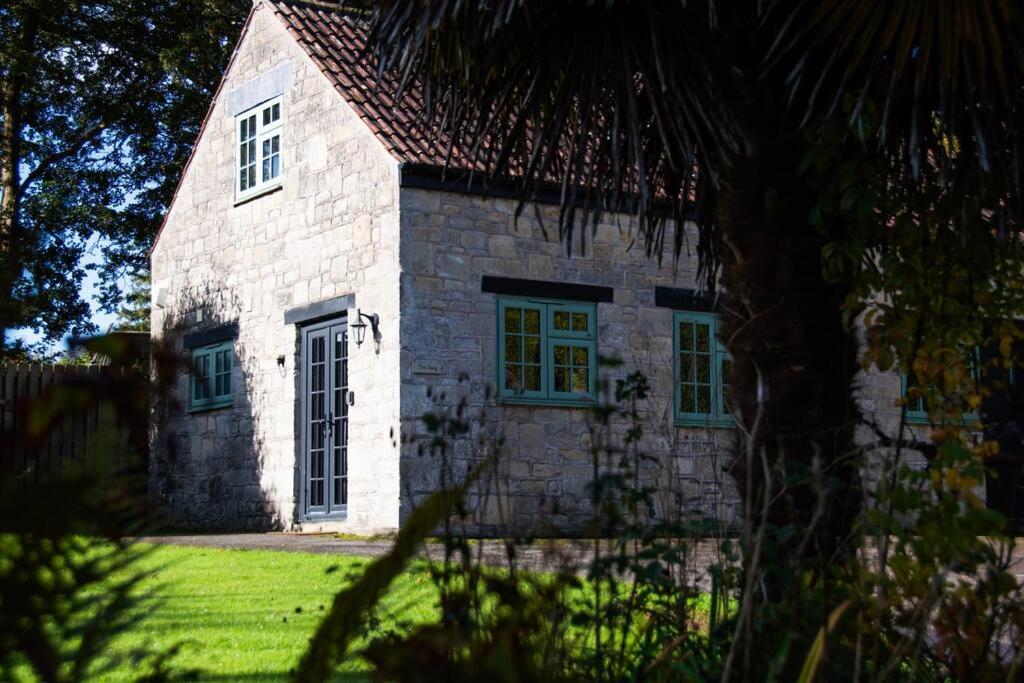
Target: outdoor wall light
359	328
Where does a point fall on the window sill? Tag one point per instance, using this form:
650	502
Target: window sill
315	517
210	406
968	420
261	192
706	424
546	402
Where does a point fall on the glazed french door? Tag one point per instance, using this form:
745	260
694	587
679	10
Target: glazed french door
324	470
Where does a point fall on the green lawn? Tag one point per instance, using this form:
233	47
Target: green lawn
246	615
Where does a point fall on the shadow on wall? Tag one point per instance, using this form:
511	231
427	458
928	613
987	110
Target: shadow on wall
622	452
206	466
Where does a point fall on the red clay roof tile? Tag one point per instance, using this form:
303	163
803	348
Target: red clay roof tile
336	42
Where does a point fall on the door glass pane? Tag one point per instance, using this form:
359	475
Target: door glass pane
339	487
317	419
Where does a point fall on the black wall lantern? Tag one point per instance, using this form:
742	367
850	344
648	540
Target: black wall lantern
359	328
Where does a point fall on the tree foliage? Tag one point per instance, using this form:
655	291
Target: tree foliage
101	102
713	108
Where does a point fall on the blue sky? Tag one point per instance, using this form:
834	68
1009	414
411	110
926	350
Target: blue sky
90	289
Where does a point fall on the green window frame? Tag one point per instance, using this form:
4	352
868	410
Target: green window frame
209	384
700	366
917	411
547	351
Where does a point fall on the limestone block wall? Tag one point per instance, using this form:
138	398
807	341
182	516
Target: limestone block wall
332	229
451	240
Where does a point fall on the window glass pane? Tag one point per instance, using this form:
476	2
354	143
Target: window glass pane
532	382
266	169
686	368
579	322
703	337
201	386
579	380
513	320
513	377
562	380
513	348
580	355
531	321
703	366
276	113
685	335
703	398
561	320
686	399
533	350
561	355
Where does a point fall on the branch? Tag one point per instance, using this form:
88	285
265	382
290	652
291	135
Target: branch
81	140
929	450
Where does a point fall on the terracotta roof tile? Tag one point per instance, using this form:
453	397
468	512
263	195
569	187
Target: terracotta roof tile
336	42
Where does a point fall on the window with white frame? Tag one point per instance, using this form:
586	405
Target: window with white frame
258	133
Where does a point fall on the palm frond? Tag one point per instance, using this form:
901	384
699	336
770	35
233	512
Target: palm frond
947	76
617	104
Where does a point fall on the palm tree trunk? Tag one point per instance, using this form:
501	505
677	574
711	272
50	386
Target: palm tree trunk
793	360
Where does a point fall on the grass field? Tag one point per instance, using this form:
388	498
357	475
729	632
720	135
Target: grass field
246	615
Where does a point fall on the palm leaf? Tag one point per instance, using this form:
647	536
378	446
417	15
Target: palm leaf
948	76
614	104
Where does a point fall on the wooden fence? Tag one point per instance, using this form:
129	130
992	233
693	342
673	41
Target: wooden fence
32	447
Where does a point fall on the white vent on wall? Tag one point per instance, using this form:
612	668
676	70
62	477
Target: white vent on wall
160	296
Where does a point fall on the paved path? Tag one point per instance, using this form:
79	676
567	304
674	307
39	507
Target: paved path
574	555
544	555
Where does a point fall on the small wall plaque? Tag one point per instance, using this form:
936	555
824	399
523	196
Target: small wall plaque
427	367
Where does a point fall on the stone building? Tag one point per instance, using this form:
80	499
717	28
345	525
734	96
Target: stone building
330	285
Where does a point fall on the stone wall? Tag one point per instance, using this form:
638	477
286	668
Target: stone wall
331	230
449	241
